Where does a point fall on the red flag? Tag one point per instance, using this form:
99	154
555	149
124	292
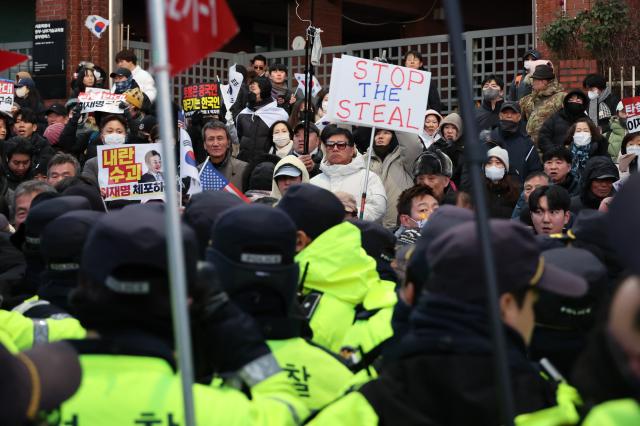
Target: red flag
9	59
196	28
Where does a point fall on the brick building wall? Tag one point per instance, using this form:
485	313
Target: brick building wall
82	45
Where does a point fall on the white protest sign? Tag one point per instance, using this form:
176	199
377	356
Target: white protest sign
100	100
130	172
632	109
6	95
375	94
315	84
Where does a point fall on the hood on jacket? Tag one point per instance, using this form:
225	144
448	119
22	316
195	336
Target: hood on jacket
257	175
335	263
596	167
580	94
533	52
335	170
454	119
291	160
433	112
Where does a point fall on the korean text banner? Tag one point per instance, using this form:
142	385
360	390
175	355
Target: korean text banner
130	172
100	100
6	95
632	108
376	94
202	97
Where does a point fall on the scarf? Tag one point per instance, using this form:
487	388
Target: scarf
599	102
580	156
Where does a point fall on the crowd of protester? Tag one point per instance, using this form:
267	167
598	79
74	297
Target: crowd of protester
305	303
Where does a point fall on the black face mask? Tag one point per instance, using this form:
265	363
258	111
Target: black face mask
574	109
252	99
508	126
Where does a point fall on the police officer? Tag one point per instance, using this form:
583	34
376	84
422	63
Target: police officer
129	369
340	282
253	249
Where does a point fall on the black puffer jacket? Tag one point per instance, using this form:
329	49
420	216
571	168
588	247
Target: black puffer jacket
595	167
554	131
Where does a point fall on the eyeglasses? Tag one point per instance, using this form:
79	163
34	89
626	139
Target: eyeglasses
257	67
341	146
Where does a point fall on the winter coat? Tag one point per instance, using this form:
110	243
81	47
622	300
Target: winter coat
232	169
502	196
571	184
317	160
253	126
554	130
539	106
396	172
293	161
486	117
453	149
523	156
615	135
350	178
347	284
445	372
596	166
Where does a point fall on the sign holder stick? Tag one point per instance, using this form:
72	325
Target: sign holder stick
177	275
363	200
475	158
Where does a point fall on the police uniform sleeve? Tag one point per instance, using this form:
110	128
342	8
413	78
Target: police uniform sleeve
352	409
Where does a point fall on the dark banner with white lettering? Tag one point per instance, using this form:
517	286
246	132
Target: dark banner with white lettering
49	58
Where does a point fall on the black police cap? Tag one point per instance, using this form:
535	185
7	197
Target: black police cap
62	240
313	209
41	214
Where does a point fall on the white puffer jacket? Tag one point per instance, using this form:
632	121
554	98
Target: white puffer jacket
350	178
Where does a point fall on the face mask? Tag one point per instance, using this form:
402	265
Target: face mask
508	126
252	98
123	86
114	139
623	122
420	223
21	92
325	105
281	139
490	94
582	138
593	94
528	65
494	173
575	109
634	149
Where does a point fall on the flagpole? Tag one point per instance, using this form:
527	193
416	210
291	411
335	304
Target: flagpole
363	200
175	251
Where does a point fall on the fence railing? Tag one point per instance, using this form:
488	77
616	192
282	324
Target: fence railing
622	86
496	51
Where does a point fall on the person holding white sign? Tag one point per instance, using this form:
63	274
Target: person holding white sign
344	169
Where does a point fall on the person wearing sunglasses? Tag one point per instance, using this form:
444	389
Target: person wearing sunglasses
343	169
259	65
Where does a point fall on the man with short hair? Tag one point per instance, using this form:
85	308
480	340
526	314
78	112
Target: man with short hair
433	169
128	59
279	90
19	161
444	366
313	159
415	205
26	126
56	113
344	169
62	166
545	99
413	59
510	135
549	207
22	197
217	143
532	182
557	165
492	98
259	65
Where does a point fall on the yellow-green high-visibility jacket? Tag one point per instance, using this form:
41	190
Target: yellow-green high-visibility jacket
317	376
618	412
24	332
564	413
144	390
340	283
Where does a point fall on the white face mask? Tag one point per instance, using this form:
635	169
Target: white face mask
21	92
114	139
528	65
420	223
325	105
582	138
634	149
494	173
593	94
281	139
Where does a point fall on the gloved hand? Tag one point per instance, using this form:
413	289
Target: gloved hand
231	338
77	112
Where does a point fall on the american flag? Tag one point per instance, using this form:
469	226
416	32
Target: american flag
212	180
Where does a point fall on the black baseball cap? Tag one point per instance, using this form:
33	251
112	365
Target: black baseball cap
62	240
313	209
514	106
147	123
120	72
41	378
43	213
312	127
134	241
456	268
56	109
